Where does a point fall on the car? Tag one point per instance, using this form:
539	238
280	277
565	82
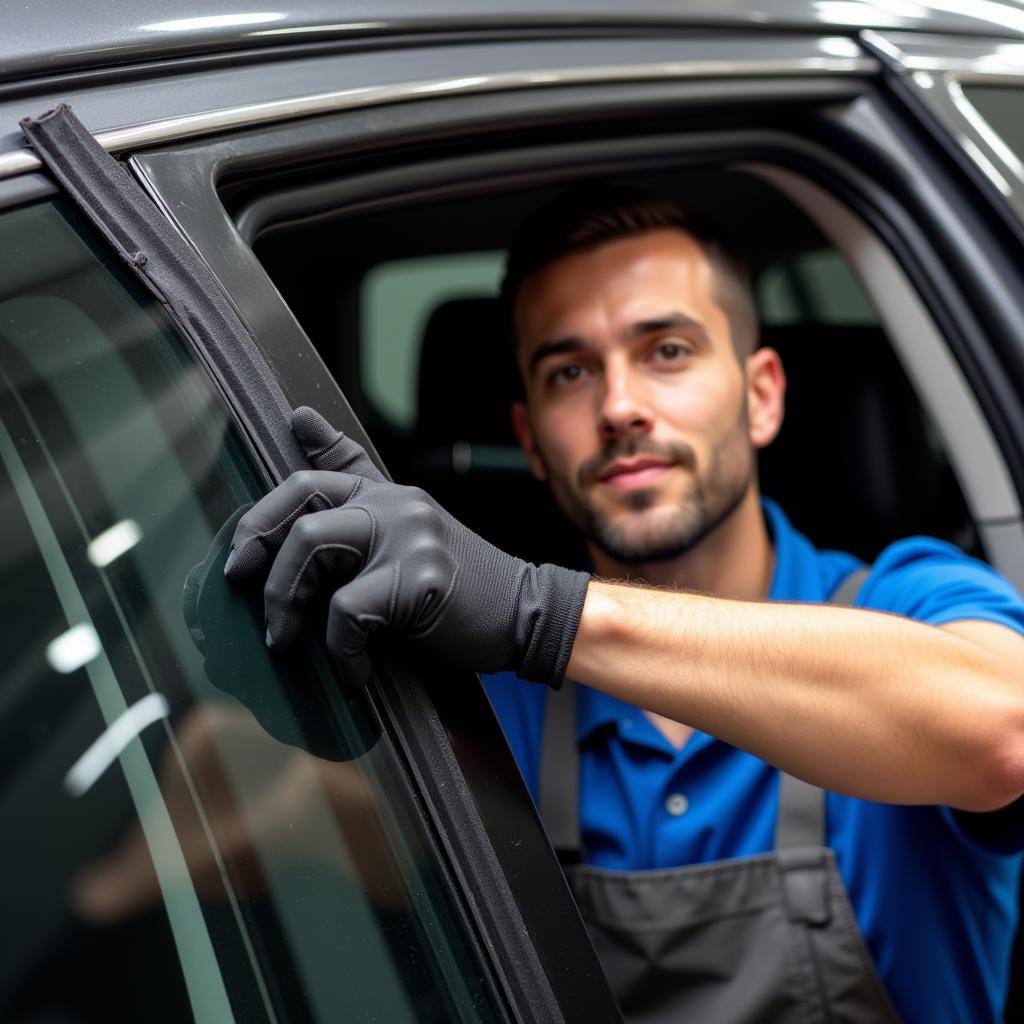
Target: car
247	211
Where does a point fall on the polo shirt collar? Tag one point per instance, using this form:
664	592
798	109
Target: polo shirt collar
795	577
595	709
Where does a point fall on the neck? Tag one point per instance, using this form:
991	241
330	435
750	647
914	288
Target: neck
735	560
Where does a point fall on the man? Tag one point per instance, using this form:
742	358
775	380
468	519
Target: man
645	398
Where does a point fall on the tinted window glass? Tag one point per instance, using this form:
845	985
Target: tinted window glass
194	829
1003	108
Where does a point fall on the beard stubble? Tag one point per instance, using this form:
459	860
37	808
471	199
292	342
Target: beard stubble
647	533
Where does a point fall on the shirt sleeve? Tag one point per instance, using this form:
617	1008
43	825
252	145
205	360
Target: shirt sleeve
934	582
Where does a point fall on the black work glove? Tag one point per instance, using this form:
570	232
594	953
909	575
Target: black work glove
395	560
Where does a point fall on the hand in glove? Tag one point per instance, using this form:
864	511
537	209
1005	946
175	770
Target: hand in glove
395	560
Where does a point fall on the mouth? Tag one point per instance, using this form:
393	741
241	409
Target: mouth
631	474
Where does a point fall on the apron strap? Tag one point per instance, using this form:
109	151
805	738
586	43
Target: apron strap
846	593
560	775
801	818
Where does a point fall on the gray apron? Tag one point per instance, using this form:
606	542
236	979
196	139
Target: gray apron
769	939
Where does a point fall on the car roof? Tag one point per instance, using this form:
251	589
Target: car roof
44	39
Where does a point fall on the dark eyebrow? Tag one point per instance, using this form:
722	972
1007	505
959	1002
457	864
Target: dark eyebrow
668	322
556	347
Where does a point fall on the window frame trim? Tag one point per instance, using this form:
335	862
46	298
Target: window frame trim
172	129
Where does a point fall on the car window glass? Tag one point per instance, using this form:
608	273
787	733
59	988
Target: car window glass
815	287
1003	108
397	300
195	829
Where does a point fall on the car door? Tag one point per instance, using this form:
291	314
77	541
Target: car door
206	830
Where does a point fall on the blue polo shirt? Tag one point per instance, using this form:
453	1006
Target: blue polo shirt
936	904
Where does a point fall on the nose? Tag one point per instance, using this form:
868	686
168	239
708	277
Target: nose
625	410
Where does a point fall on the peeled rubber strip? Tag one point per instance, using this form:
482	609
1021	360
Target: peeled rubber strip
143	237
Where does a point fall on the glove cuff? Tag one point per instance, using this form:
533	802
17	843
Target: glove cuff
550	606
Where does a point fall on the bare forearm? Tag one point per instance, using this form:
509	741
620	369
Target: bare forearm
863	703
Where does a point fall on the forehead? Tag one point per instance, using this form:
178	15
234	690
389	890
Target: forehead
625	279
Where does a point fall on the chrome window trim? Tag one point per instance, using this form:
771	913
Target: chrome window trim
954	55
175	129
967	72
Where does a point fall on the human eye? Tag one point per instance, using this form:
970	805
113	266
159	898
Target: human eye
566	375
669	352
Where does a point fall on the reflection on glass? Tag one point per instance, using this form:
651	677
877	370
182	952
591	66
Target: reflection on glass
74	648
111	743
113	542
205	831
1001	120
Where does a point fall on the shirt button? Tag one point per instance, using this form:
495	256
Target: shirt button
677	804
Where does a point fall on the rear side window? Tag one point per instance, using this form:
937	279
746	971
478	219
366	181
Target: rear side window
1003	108
396	302
194	829
814	287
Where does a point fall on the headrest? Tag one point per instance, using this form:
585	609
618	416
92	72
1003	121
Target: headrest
467	375
466	451
853	465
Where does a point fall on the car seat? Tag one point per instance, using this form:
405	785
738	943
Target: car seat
857	464
466	454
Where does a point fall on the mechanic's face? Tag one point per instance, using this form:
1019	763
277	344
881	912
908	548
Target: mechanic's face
637	408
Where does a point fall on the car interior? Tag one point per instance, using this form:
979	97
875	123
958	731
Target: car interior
858	462
401	302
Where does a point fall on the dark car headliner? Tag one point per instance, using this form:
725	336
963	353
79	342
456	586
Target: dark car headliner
46	39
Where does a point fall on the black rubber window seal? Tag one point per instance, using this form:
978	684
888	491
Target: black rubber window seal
118	207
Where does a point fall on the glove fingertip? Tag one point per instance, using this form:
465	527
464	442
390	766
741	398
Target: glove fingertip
282	628
313	432
244	560
330	449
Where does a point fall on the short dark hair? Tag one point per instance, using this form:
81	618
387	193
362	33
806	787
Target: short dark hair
590	216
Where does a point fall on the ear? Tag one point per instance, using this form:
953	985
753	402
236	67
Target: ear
524	435
766	396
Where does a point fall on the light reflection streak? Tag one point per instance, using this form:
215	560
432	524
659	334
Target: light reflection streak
985	131
113	542
74	648
109	745
214	21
